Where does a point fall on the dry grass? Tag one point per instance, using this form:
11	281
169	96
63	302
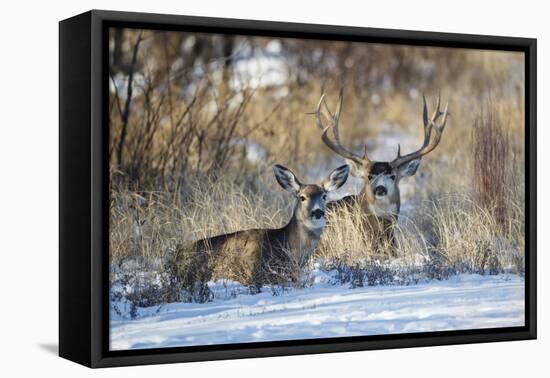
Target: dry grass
470	238
152	223
449	234
491	145
187	173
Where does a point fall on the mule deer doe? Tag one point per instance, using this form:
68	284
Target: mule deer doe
258	256
380	199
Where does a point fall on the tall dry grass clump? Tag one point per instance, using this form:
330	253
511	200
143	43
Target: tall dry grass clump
499	174
467	237
491	154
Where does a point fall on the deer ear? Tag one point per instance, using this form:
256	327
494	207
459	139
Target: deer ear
337	178
410	168
356	170
286	178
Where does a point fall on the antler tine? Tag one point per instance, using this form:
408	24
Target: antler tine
335	145
427	121
437	111
340	103
424	112
318	113
437	114
445	116
430	124
336	117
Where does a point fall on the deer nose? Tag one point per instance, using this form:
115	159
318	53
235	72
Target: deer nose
317	213
380	191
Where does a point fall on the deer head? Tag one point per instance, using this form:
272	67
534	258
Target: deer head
311	198
381	178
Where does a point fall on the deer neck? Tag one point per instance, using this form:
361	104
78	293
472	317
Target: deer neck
301	238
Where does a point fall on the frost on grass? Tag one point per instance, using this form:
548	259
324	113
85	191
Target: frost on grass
326	308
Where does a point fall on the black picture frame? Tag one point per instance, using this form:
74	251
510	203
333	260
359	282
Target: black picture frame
83	195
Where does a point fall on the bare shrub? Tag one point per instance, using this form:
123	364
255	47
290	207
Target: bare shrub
140	282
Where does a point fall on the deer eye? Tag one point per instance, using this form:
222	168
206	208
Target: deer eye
324	197
392	177
371	177
302	198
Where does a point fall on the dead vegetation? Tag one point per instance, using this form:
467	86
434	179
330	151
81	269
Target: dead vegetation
192	141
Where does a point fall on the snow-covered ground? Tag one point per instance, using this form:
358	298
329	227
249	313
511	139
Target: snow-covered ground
326	310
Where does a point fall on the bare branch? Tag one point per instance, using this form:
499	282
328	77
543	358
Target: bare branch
126	113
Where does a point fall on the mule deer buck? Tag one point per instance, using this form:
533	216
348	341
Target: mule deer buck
380	199
258	256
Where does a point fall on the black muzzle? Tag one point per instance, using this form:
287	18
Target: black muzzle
380	191
317	214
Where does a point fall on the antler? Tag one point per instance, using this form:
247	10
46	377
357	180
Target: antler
336	145
429	125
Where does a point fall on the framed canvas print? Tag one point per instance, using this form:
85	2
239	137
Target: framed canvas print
233	188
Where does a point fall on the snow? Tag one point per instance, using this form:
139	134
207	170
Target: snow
255	153
259	71
256	67
326	310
